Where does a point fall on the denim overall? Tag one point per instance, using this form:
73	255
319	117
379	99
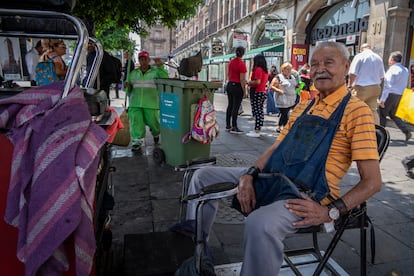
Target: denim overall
301	156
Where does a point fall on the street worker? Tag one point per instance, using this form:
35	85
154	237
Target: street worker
143	109
275	191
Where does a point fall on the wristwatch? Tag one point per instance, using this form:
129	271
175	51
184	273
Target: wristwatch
253	171
334	213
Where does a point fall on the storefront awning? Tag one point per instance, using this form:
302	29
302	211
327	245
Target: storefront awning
220	59
267	51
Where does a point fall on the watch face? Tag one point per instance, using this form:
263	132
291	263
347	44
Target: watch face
334	213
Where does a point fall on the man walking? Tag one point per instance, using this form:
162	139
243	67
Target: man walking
395	82
365	76
32	59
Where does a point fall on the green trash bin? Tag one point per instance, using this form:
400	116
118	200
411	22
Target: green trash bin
178	98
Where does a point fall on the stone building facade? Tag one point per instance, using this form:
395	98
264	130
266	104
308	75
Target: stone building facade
287	30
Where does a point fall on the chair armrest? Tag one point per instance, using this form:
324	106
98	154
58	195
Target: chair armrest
215	191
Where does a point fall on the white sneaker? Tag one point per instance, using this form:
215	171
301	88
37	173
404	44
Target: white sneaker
253	134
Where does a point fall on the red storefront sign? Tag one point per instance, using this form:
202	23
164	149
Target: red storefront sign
300	53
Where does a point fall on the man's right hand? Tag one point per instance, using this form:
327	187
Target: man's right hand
246	194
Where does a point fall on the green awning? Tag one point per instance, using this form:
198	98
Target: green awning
267	51
221	59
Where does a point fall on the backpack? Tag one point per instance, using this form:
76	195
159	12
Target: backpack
45	72
205	127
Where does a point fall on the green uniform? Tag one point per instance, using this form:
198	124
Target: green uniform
144	108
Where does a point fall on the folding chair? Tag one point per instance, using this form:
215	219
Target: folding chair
356	218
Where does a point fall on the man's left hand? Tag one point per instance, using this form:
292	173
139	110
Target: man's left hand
311	212
158	62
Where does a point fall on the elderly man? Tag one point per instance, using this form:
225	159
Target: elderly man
365	76
298	166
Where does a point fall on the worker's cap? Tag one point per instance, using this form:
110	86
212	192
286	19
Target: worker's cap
143	54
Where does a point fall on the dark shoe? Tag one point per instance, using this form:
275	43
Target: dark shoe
136	148
228	128
157	140
186	228
236	130
410	174
408	136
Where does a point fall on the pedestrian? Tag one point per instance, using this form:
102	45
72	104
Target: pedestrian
306	67
408	163
118	71
257	85
365	76
270	101
307	82
236	89
284	84
143	109
56	49
108	70
345	133
395	81
32	59
127	59
172	67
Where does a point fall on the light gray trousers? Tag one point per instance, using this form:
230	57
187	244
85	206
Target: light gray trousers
265	228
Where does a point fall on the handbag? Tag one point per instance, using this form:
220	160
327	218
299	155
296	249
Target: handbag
405	108
123	136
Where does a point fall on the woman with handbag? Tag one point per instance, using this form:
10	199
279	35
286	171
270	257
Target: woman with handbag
284	84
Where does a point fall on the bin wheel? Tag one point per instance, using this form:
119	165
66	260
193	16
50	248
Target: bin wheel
158	155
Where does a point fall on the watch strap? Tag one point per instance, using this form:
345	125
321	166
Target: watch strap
253	171
340	205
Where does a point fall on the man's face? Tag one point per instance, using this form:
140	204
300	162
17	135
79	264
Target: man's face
328	69
144	61
91	47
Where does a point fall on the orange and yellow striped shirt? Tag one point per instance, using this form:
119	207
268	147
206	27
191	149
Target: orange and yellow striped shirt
354	140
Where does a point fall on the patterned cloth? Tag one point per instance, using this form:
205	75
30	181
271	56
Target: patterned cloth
52	186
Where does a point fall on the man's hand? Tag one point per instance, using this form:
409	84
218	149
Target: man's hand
311	212
158	62
382	104
246	194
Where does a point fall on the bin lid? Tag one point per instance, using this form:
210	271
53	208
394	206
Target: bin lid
189	83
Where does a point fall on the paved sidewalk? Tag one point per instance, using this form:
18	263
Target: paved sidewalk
146	199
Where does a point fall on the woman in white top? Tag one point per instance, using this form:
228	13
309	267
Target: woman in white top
284	84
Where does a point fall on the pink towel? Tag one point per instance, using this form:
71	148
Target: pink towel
52	186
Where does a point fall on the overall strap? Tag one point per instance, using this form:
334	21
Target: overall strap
337	114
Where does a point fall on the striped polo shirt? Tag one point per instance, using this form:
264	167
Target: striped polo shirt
354	140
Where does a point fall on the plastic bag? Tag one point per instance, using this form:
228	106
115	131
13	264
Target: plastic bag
405	108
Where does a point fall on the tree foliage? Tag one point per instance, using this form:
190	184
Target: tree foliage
135	15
